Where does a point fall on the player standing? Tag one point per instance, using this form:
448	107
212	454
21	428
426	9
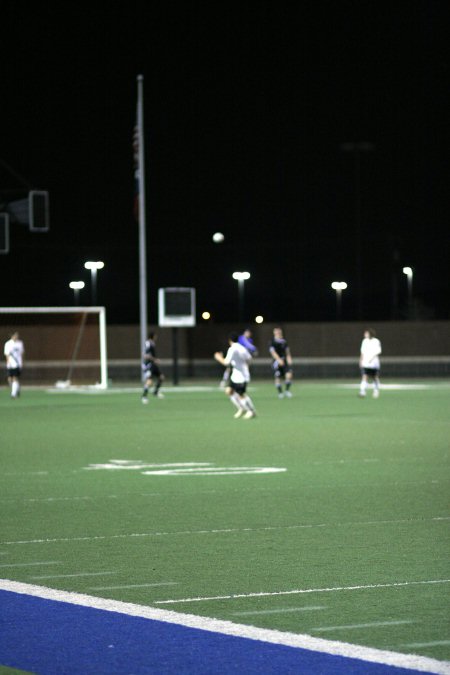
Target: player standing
151	369
14	351
282	363
238	358
369	363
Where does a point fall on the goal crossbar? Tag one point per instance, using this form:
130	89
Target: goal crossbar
101	311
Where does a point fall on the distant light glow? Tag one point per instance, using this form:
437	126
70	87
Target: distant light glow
206	316
408	271
218	237
241	276
259	319
77	285
338	285
94	265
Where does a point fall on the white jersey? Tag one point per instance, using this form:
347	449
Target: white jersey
238	358
14	353
370	351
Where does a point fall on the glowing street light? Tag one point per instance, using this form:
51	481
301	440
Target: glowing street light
409	275
241	277
94	266
206	316
259	319
338	286
76	286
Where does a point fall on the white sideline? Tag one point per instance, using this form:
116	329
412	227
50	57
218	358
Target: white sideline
225	530
299	591
412	661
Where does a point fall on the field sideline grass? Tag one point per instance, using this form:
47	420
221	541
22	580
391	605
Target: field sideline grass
361	506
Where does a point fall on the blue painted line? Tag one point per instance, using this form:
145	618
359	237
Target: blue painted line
55	638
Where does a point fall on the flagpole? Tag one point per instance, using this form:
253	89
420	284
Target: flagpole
142	223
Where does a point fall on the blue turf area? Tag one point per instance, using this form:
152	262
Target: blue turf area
51	638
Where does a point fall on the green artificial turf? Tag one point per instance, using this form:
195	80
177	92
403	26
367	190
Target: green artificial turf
363	502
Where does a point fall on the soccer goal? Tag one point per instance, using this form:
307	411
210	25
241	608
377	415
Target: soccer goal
64	346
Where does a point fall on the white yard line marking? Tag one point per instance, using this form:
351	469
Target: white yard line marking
435	643
32	564
298	591
412	661
352	626
227	530
111	588
78	574
281	610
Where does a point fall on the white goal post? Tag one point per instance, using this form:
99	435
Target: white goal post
83	312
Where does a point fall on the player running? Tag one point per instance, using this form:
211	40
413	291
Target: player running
238	358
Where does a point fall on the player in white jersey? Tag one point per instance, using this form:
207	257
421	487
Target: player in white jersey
14	351
369	362
238	357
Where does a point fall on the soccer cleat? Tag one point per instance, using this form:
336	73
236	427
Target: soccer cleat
281	395
362	394
158	394
239	413
288	394
249	414
376	393
144	399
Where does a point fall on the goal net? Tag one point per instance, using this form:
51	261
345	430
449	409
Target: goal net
64	346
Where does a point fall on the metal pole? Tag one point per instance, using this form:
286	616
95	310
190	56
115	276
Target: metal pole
358	230
103	353
94	286
410	295
175	378
338	303
142	223
241	299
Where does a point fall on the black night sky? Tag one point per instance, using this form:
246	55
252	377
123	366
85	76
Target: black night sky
247	106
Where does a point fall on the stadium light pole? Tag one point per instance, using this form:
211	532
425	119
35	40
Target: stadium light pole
338	286
241	277
76	286
357	149
94	266
409	275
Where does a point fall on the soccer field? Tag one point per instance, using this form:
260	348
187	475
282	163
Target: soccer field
325	516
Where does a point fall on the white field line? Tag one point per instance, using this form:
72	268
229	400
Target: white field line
131	390
299	591
78	574
392	387
227	530
355	626
112	588
281	610
32	564
434	643
126	495
412	661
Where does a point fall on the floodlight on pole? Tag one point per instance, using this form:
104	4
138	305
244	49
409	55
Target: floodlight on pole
241	277
409	275
338	286
94	266
76	286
